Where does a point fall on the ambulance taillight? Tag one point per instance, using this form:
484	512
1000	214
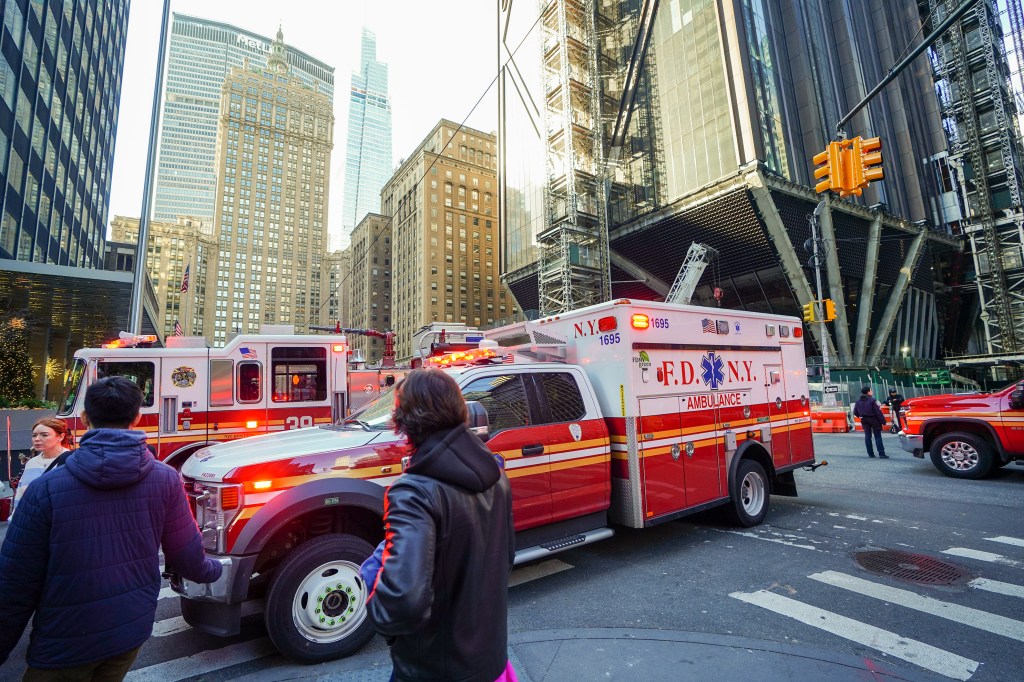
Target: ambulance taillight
607	324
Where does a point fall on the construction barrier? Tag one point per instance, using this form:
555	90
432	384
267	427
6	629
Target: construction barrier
832	421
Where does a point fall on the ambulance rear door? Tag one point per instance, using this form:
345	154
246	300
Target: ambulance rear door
778	413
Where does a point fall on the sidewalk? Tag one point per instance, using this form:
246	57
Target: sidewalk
636	655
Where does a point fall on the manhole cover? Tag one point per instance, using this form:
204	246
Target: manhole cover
914	568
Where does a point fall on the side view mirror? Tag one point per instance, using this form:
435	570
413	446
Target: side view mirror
1017	398
477	420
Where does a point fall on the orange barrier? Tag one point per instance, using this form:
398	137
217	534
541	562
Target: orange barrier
834	421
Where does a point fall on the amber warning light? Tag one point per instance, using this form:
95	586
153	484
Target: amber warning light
641	321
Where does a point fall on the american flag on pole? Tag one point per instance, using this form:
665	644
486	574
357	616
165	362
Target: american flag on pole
184	278
709	326
177	329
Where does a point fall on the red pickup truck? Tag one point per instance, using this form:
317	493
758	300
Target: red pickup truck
967	435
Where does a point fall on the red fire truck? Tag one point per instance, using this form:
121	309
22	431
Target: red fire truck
625	413
256	384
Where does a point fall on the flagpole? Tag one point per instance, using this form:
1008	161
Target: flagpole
138	287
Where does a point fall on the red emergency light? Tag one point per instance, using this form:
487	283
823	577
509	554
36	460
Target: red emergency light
130	341
798	332
461	357
607	324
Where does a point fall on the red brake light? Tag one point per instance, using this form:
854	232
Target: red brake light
607	324
798	332
641	321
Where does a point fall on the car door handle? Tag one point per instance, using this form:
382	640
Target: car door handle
533	450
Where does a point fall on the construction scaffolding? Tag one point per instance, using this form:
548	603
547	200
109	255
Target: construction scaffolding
977	70
574	261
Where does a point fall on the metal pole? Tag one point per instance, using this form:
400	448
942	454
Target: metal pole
138	287
828	399
895	71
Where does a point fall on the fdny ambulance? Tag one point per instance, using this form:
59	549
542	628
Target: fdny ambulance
196	396
629	413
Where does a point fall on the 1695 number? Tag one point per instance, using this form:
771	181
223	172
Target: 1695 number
660	322
609	339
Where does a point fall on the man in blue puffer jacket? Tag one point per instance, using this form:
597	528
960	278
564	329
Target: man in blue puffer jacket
82	554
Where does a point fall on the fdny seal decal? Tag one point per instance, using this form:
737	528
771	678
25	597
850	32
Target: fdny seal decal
183	377
576	432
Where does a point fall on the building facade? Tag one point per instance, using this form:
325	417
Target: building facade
368	149
712	142
443	205
170	249
371	282
337	287
200	56
273	164
60	89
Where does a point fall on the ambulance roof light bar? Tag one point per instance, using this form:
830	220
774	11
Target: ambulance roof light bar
127	340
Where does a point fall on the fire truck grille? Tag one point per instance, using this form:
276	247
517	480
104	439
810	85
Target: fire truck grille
913	568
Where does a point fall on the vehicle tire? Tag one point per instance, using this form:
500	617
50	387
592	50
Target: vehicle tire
962	455
749	495
316	601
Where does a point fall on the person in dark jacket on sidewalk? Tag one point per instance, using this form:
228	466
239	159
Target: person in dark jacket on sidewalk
872	419
83	552
441	595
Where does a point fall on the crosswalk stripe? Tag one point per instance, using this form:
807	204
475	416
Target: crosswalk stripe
982	620
1016	542
203	662
920	654
543	569
1009	589
981	556
172	626
167	593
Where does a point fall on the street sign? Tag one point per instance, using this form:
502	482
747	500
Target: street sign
831	388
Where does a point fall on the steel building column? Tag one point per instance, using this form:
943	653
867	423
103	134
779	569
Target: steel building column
788	259
867	291
635	270
896	298
835	285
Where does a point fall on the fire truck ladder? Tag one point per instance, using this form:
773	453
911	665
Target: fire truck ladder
697	258
991	151
574	263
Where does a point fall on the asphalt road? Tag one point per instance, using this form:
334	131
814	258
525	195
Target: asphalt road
794	580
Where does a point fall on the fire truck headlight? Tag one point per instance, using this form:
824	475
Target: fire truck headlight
217	505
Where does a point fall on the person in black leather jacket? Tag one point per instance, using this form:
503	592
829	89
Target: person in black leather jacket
441	595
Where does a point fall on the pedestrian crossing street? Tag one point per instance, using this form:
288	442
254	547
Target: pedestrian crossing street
913	603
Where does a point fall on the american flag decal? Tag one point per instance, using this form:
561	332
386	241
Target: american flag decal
247	353
509	359
708	326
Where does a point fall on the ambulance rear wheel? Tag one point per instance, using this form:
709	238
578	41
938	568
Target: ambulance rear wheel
749	493
316	601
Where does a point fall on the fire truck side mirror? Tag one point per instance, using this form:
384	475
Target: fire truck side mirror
477	420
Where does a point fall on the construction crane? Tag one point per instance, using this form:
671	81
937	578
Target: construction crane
697	259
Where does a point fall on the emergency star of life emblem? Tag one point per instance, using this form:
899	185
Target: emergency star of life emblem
712	370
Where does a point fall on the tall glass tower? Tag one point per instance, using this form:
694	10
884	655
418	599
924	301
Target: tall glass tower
368	152
60	88
201	55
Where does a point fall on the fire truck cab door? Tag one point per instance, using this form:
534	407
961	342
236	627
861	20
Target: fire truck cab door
778	413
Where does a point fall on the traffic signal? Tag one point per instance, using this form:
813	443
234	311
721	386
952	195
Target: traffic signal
829	171
809	315
830	309
871	159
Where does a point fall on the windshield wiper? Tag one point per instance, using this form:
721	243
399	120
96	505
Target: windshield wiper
361	424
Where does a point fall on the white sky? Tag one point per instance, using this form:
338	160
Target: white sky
441	56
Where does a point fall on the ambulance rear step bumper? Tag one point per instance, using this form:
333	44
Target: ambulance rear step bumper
535	552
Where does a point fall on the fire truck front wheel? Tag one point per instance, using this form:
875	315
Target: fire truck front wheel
749	493
316	602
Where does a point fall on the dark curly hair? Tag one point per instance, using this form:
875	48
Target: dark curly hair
426	401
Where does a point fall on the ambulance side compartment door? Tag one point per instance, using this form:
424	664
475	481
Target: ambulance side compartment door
778	413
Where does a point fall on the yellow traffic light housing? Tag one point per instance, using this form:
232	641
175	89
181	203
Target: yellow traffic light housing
830	310
829	170
871	160
809	312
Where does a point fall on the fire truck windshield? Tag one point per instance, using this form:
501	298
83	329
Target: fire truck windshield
71	386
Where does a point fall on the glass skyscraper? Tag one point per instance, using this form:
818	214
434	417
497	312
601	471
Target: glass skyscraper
368	151
201	55
60	87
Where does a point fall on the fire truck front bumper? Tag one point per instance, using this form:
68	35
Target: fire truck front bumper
913	444
216	607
